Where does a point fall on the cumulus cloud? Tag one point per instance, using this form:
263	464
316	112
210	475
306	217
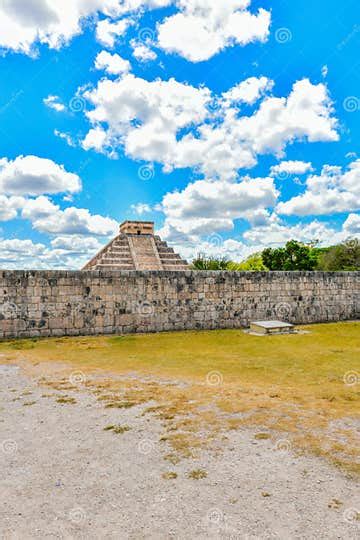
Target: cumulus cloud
220	199
32	175
175	124
76	244
248	91
15	253
287	168
352	225
47	217
144	116
141	208
112	63
334	190
24	23
205	207
53	102
202	28
142	52
107	32
9	207
65	252
276	232
96	139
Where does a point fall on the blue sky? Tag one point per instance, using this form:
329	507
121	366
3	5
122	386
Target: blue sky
233	128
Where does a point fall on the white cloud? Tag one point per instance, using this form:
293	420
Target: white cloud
220	200
107	32
304	114
112	63
31	175
205	207
15	253
287	168
76	244
9	207
95	139
213	246
65	136
141	208
142	52
53	102
49	218
352	224
65	252
276	232
202	28
248	91
25	23
333	191
146	117
179	230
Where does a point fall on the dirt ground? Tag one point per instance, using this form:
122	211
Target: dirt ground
64	476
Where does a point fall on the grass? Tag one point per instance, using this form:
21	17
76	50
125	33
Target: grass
169	475
66	400
119	404
335	503
262	436
119	430
197	474
287	387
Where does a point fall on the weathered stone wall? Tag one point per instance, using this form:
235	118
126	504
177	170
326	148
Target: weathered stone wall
57	303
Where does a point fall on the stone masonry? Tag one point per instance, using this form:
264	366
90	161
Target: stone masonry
137	248
59	303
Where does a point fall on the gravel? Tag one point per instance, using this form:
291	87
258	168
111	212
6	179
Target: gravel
63	476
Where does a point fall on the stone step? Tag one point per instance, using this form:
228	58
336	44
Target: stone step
123	245
167	256
144	252
118	253
117	247
175	268
177	260
115	260
162	250
103	266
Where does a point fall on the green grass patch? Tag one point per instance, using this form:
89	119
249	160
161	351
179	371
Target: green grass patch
296	387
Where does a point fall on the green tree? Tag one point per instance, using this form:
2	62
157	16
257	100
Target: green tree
294	256
343	257
254	263
210	263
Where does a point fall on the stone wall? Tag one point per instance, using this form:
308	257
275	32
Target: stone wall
57	303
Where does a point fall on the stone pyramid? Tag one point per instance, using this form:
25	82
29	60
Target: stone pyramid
137	248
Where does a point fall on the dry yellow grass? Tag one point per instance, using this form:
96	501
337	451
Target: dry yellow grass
300	388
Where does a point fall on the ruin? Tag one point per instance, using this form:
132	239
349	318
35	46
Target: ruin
136	247
64	303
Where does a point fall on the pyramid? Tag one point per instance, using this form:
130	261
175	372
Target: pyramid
137	248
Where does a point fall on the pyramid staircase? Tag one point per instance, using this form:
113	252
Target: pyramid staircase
137	251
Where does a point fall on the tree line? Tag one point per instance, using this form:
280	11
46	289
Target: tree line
292	257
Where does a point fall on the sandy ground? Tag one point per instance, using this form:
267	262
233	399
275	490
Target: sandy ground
63	476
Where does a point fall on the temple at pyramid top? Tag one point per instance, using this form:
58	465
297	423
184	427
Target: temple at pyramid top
137	248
